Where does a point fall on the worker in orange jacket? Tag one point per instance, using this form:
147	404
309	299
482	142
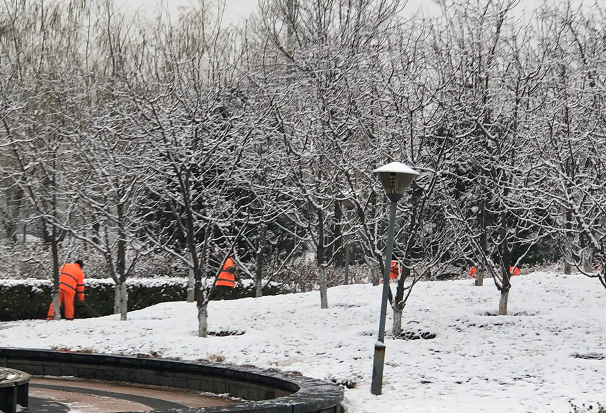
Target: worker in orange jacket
227	279
514	270
472	271
394	271
71	285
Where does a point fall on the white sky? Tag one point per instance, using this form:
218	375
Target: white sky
238	10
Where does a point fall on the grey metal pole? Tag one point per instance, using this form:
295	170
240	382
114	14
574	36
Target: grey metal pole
346	264
379	358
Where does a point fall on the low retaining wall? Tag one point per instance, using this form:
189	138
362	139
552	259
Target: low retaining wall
265	391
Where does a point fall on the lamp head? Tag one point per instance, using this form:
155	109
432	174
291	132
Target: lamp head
396	177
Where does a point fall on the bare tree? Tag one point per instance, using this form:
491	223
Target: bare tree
41	43
313	50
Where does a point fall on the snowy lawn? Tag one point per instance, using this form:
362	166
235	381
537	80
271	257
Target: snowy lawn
548	352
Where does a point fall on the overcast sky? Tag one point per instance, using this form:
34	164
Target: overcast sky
238	10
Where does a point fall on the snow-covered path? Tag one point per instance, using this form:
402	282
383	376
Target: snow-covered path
548	352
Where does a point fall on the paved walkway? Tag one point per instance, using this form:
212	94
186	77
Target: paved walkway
60	396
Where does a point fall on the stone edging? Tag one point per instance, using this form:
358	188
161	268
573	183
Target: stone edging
265	391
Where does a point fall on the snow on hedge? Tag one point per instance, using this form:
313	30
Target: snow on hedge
92	282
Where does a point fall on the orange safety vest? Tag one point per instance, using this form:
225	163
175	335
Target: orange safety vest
394	272
226	276
514	271
71	280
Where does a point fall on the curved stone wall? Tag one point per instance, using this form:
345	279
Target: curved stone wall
265	391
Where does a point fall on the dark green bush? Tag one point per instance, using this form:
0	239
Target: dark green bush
29	299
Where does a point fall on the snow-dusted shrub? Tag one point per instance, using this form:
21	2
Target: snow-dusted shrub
24	260
159	264
32	259
301	277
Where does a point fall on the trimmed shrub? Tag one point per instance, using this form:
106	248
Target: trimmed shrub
29	299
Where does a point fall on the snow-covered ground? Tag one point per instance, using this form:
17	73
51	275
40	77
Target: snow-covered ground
548	352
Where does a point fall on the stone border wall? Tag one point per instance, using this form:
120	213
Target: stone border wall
265	391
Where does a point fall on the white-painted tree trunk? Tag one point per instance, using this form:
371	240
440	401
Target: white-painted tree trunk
121	301
203	321
323	287
397	321
191	286
56	306
503	302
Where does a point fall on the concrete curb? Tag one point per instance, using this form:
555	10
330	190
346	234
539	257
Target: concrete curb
265	391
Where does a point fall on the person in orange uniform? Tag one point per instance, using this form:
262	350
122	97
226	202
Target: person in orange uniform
472	271
227	278
514	270
394	271
71	285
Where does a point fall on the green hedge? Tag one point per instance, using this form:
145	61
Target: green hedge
29	299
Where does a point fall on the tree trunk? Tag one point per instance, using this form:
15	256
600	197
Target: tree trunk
397	321
323	287
480	277
586	255
567	266
503	301
258	287
588	261
505	264
320	260
347	250
260	258
569	236
338	234
375	275
56	305
203	320
121	300
481	265
55	253
191	286
200	295
122	293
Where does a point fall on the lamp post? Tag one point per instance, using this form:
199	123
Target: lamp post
395	177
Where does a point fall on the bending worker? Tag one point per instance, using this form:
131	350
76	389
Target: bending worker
71	285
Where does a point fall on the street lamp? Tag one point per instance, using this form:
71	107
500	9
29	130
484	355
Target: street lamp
395	177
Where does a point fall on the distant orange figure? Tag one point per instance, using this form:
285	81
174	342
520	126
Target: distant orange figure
514	270
472	271
394	272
